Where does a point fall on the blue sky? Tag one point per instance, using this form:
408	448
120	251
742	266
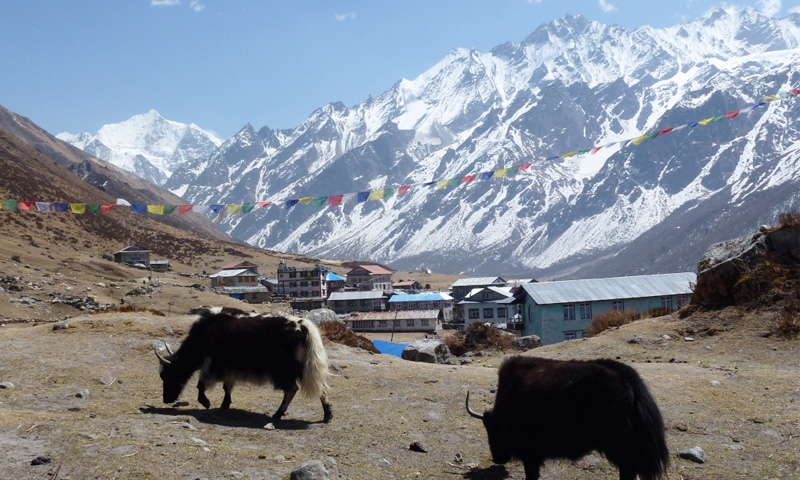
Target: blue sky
77	65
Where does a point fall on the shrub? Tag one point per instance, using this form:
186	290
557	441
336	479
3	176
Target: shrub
788	324
129	308
657	312
609	320
479	336
338	332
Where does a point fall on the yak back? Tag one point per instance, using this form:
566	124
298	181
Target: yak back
257	348
565	408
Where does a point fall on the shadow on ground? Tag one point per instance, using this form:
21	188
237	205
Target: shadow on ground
229	418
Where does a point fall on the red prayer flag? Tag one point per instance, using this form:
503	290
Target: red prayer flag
665	131
334	200
732	114
467	178
26	205
594	150
525	166
263	204
107	207
184	208
402	190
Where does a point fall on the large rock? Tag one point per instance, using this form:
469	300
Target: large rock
427	350
321	315
528	342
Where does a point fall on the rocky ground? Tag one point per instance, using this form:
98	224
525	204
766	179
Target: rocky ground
84	402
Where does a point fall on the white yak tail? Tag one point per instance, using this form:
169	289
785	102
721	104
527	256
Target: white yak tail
314	382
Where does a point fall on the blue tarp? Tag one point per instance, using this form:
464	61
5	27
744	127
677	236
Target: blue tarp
390	348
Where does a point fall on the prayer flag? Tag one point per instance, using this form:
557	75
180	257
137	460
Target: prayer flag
122	201
305	200
525	166
184	208
216	208
732	114
10	205
263	204
362	197
376	195
139	209
60	206
233	208
334	200
202	209
93	207
349	198
402	190
155	209
25	205
106	207
485	175
467	178
665	131
500	173
319	201
168	209
248	207
289	204
441	184
77	208
43	207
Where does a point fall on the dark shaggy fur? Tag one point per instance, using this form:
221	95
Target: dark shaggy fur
229	345
546	409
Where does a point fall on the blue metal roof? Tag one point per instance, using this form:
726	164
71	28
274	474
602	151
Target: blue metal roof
591	290
332	277
419	297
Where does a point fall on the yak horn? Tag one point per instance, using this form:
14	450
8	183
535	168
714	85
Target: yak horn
169	350
469	410
160	358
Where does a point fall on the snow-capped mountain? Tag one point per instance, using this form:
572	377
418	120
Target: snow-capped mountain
147	145
651	207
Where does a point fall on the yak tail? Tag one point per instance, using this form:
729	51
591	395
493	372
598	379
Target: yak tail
314	383
649	443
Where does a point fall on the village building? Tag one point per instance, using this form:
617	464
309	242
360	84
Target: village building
240	280
370	277
310	282
407	286
160	265
423	301
562	310
347	302
133	255
491	305
461	287
427	321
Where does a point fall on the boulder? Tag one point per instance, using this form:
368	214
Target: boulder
427	350
528	342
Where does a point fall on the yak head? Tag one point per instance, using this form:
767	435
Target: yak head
172	376
494	430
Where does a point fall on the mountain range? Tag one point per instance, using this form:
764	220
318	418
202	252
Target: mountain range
653	206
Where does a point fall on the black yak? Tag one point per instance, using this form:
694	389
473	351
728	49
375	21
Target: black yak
229	345
546	409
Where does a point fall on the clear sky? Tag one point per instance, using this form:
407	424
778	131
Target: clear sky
79	64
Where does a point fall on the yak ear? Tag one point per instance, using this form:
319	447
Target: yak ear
471	412
161	359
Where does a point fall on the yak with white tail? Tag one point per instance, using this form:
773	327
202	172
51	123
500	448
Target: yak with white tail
229	345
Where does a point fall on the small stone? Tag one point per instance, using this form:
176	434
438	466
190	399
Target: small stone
4	385
417	447
82	394
40	460
715	383
269	426
181	403
688	339
61	325
695	454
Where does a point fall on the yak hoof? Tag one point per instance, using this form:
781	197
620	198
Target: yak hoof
205	402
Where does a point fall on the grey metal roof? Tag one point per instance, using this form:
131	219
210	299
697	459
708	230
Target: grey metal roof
367	295
233	273
591	290
393	315
478	281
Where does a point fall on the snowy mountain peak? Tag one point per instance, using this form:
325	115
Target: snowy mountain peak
147	144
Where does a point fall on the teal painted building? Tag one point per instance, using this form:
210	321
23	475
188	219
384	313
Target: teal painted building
558	311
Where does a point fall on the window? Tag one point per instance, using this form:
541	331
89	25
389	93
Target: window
586	311
569	311
303	284
363	324
292	274
474	313
666	302
424	322
410	322
383	324
486	295
292	284
501	312
683	300
570	336
488	313
618	305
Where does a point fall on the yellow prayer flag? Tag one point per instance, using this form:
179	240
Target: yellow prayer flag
376	195
440	184
305	200
639	140
234	208
500	173
77	208
705	121
155	209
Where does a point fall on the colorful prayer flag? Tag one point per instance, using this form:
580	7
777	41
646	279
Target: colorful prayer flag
77	208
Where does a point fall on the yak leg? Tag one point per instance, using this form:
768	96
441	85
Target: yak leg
627	474
326	407
201	394
532	469
288	395
228	388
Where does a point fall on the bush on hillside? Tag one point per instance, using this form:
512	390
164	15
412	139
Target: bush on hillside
338	332
609	320
480	336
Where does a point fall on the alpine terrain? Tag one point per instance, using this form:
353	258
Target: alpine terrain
147	145
727	84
